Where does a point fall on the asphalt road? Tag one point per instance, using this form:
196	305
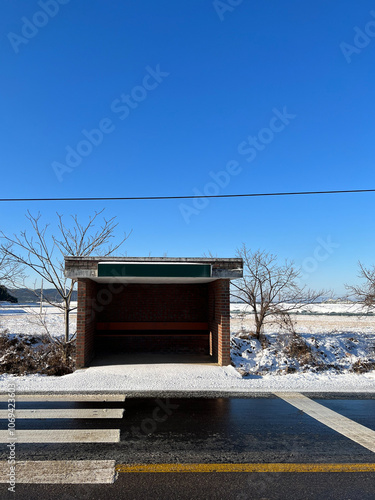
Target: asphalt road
226	486
206	431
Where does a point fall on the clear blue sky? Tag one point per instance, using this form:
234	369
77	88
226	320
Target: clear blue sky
179	90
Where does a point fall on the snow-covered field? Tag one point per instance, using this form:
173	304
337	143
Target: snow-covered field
346	308
25	319
339	336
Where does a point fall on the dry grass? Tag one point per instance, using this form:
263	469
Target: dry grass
298	349
28	354
363	366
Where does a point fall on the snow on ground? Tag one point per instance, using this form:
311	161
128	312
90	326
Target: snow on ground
339	340
25	319
336	352
181	377
346	308
337	343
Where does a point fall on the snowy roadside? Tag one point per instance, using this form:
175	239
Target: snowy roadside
187	378
341	342
325	344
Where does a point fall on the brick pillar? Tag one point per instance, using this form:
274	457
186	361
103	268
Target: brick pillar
86	322
219	321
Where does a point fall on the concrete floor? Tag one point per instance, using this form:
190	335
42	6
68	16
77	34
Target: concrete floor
149	358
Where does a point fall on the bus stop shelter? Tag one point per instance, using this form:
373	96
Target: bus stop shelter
150	304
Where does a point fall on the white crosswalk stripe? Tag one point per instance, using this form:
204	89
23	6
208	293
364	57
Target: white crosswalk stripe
56	471
62	436
67	413
61	471
22	398
352	430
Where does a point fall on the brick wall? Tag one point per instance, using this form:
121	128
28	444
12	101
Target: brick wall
219	320
172	302
86	322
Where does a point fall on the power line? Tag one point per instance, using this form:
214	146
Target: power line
187	197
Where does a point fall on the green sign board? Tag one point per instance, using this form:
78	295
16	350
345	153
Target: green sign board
146	270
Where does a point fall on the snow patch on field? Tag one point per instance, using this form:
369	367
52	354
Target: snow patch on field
345	308
23	319
335	352
335	344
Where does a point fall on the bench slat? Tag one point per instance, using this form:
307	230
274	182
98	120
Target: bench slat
125	335
152	325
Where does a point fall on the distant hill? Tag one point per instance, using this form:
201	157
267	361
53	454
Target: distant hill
26	296
6	296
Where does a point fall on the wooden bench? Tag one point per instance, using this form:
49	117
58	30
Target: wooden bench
154	335
150	328
152	325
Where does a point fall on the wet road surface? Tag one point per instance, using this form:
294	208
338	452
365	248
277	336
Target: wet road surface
205	430
219	431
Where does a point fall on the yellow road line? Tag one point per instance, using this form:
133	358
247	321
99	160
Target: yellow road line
271	467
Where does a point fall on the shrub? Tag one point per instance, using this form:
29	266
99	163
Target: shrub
362	366
28	354
299	350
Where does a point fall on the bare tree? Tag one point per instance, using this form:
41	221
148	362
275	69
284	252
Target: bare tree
38	252
11	272
209	255
364	292
270	288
